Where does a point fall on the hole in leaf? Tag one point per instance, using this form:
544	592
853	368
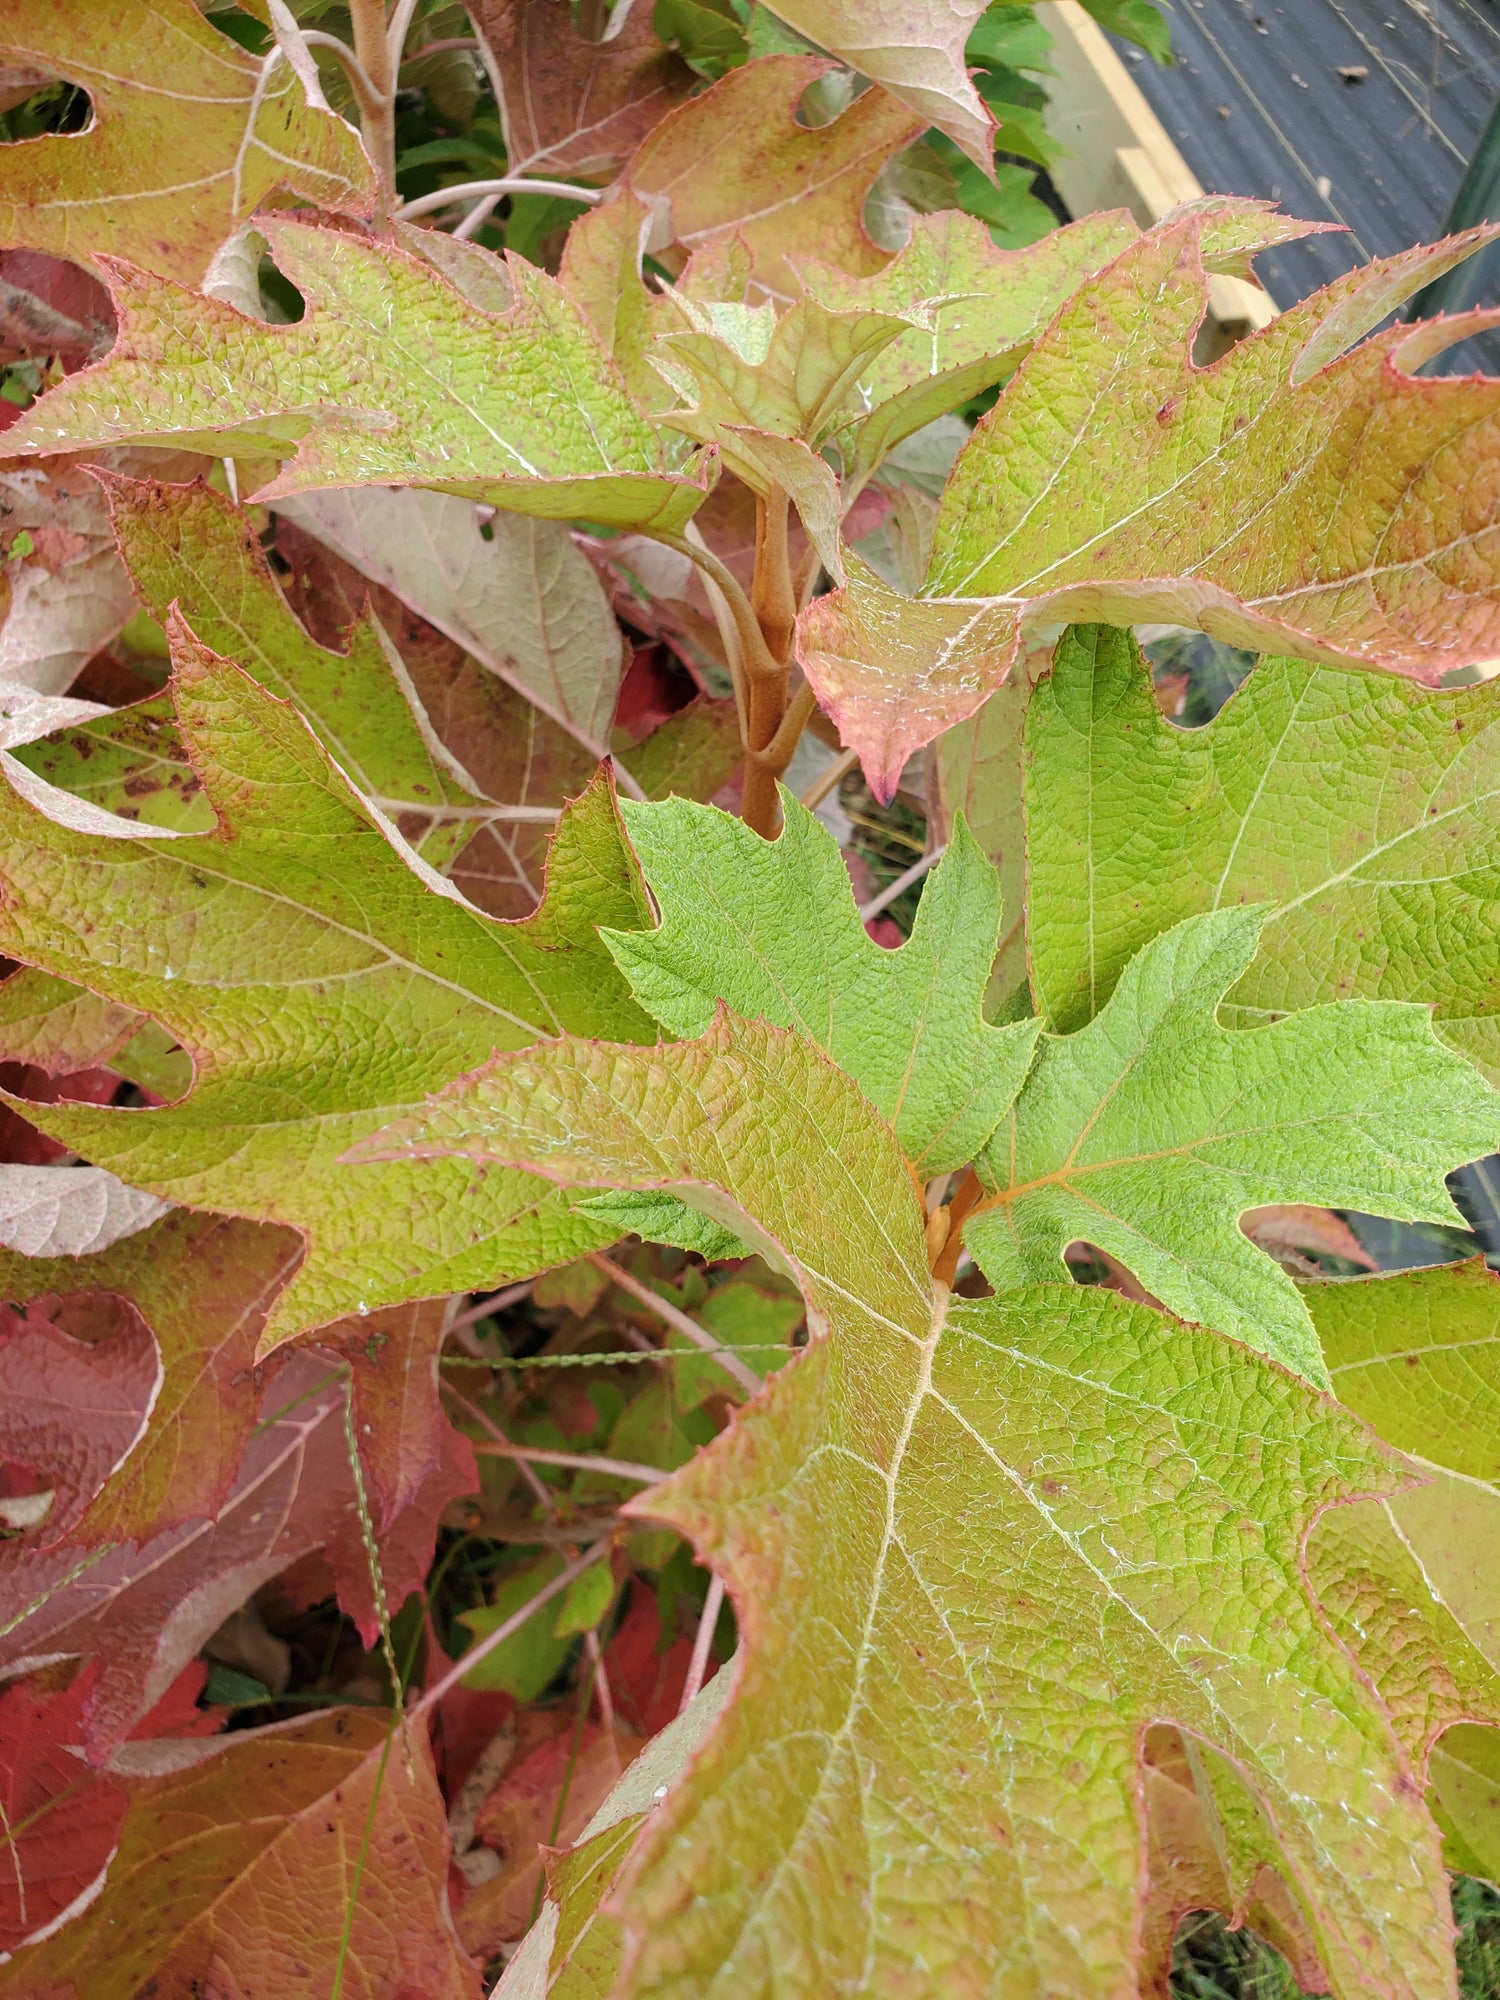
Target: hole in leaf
1212	1962
284	304
240	28
33	104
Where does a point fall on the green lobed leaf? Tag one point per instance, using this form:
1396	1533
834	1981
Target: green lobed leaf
392	377
1410	1581
128	761
1364	811
1153	1129
319	977
187	546
741	366
188	135
979	775
1294	495
986	306
974	1548
770	928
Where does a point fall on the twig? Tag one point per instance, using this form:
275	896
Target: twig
365	93
530	815
697	1671
378	119
604	1694
688	1328
501	1446
397	32
824	783
476	218
778	753
466	1664
442	47
617	1468
902	882
511	184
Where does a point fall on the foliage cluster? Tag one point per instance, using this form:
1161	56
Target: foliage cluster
687	1192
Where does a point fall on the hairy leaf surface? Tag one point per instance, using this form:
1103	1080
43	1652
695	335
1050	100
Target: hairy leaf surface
1363	810
319	981
770	928
974	1550
188	135
1152	1130
1293	495
392	378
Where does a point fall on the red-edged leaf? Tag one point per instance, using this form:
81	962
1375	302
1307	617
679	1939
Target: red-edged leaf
59	1819
202	1284
572	106
78	1378
737	160
237	1875
145	1610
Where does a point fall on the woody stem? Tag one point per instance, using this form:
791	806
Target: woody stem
773	599
378	125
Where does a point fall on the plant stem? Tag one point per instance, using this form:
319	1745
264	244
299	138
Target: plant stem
444	197
774	603
697	1671
535	1454
372	50
892	890
467	1662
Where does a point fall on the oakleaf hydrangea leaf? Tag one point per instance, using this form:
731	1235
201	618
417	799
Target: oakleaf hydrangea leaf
128	761
1364	810
974	1549
915	52
985	306
188	136
1292	496
571	104
657	1217
1153	1129
391	378
319	977
1410	1581
185	545
736	160
770	928
1417	1355
319	1804
791	374
202	1285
